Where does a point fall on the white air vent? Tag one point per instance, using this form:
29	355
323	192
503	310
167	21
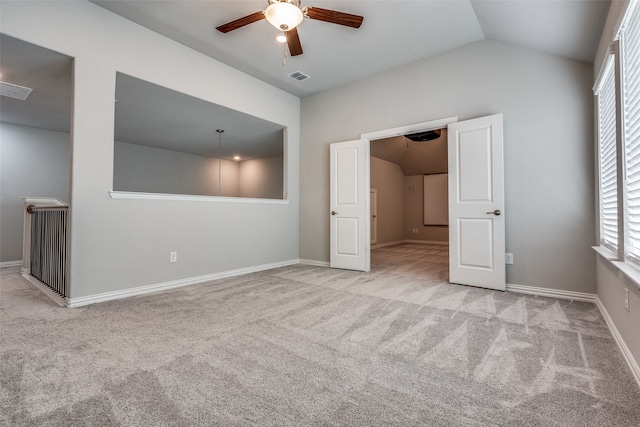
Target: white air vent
299	76
15	91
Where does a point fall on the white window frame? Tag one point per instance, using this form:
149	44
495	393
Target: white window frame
627	263
607	72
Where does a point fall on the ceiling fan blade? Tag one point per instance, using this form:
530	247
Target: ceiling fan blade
234	25
293	41
334	17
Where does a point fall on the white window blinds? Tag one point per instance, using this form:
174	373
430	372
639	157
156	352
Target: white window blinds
607	148
630	42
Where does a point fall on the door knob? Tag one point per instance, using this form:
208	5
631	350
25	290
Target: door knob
334	213
497	212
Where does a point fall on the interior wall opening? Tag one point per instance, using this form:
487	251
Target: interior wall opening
172	143
35	141
409	205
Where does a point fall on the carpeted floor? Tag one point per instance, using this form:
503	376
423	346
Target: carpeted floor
306	345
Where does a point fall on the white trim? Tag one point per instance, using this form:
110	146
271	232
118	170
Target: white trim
626	353
192	198
629	270
45	289
623	19
313	262
604	69
551	293
416	127
147	289
384	245
44	201
7	264
428	242
605	253
401	242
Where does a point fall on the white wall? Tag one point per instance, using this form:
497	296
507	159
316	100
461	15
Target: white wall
34	163
120	244
548	128
611	282
387	178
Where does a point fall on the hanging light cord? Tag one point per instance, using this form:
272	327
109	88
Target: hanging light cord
220	131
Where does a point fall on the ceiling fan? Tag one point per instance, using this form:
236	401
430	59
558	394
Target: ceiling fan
286	15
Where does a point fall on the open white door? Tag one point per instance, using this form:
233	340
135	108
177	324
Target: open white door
373	214
476	203
349	198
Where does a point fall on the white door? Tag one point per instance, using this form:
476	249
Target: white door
373	203
349	194
476	203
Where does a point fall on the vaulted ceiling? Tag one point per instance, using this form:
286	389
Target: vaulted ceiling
394	32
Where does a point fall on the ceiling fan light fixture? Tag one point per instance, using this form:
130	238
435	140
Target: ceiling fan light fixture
281	38
283	15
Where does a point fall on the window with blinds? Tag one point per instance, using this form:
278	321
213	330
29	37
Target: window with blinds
630	44
607	149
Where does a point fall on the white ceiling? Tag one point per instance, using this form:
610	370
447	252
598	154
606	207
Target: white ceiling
394	32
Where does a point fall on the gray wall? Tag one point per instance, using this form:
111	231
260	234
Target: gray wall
413	214
34	163
261	178
548	128
611	282
387	178
118	244
146	169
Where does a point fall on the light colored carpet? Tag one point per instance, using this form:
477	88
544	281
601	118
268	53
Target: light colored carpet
305	345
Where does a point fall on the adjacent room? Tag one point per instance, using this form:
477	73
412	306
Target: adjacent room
319	212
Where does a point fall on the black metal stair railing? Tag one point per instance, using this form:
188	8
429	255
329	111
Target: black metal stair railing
49	262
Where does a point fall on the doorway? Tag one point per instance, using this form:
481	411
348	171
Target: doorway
475	191
409	174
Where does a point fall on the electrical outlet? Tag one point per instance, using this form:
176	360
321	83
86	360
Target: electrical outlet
626	299
508	259
173	256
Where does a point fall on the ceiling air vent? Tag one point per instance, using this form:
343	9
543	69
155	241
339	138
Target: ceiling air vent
15	91
299	76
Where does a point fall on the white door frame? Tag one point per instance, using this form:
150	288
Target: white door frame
399	131
374	217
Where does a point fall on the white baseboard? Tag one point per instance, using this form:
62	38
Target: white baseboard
45	289
400	242
428	242
147	289
552	293
6	264
313	262
626	353
384	245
